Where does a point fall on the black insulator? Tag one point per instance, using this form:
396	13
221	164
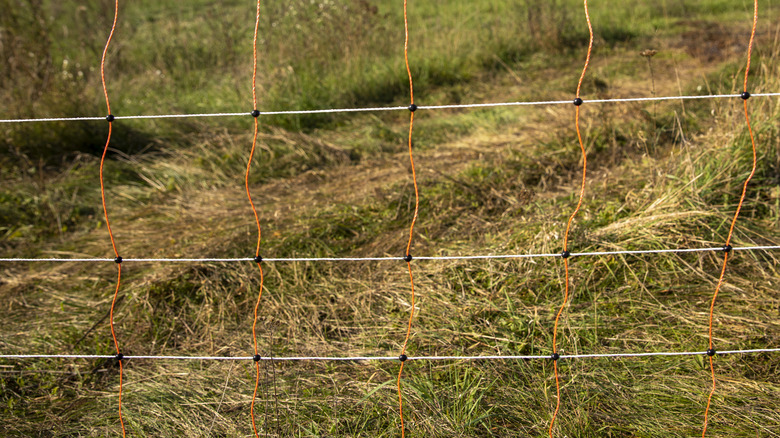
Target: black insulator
412	107
256	358
255	113
555	356
118	260
745	95
119	356
566	254
711	352
577	101
727	248
258	259
402	358
110	118
408	258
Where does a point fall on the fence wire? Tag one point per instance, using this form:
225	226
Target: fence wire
387	108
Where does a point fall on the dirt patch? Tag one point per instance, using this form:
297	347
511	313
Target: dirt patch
710	41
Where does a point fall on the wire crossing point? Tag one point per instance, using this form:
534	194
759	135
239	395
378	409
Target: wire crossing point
727	248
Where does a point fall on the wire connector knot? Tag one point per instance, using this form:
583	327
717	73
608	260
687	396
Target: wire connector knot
577	101
256	358
119	357
566	254
408	258
745	95
258	259
711	352
255	113
110	118
412	107
727	248
402	358
118	260
555	356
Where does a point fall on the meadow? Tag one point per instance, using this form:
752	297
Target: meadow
492	181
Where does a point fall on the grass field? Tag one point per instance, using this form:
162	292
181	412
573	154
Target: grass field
500	180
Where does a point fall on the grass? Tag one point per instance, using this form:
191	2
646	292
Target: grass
491	181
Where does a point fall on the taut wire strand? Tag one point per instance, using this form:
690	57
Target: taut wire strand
110	118
382	259
389	108
387	358
577	104
257	218
745	97
407	257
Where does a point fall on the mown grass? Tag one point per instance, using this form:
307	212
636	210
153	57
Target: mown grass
492	181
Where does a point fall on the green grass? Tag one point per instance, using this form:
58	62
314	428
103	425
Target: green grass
187	58
492	181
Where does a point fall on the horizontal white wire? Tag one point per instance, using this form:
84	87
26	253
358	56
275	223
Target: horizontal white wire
364	259
335	110
57	356
389	108
380	358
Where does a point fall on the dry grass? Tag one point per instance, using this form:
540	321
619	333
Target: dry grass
497	181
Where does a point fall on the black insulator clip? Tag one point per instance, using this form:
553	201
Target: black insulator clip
577	101
745	95
255	113
412	107
566	254
408	258
256	358
555	356
110	118
727	248
119	357
118	260
711	352
402	358
258	259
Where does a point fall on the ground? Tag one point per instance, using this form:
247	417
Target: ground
492	181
